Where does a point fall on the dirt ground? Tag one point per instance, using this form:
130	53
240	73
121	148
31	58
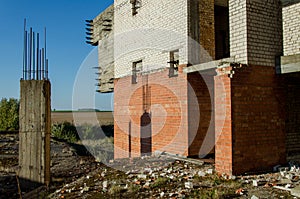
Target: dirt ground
76	174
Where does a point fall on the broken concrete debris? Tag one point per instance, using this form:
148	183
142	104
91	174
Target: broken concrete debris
254	197
155	176
296	191
159	177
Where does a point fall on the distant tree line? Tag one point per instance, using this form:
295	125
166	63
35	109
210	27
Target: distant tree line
9	114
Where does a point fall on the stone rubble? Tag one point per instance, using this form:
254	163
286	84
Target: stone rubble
164	177
161	176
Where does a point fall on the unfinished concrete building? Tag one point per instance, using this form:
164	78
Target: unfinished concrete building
201	77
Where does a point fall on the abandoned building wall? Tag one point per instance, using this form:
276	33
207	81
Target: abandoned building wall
254	111
201	128
291	29
292	84
103	24
249	112
207	30
255	31
264	31
103	34
238	30
193	32
148	35
258	112
164	101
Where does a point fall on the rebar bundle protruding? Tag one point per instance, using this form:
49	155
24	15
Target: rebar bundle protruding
35	62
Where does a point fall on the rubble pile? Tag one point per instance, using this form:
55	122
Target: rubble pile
166	177
76	174
9	144
285	178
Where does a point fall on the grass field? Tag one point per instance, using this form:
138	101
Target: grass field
83	117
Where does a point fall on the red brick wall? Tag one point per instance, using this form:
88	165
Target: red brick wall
258	112
167	105
249	116
253	136
292	87
201	114
207	29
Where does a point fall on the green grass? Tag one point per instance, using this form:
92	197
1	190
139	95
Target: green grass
159	182
65	131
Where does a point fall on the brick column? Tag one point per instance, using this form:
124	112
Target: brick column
223	122
250	119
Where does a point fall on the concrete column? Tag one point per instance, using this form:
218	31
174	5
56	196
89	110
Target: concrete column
35	124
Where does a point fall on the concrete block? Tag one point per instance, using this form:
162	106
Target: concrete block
295	191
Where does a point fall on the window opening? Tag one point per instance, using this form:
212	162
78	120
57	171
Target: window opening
174	62
136	68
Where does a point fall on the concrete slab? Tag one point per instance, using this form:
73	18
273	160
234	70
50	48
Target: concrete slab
295	191
288	64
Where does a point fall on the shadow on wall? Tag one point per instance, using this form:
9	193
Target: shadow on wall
146	134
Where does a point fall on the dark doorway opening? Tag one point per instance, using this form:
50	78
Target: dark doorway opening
146	134
222	32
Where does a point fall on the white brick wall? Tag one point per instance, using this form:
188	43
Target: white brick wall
157	28
162	26
291	29
105	48
264	22
255	31
238	30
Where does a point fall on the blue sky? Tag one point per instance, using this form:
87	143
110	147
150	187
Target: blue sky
66	47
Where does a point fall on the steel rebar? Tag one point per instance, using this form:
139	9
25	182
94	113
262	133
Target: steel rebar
43	64
25	57
33	55
47	69
37	55
24	49
35	62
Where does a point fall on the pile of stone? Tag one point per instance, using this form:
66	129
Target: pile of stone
150	176
169	177
9	144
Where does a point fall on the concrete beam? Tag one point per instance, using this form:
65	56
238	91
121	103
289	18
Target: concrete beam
288	64
209	65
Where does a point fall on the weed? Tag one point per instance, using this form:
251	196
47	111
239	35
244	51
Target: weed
159	182
102	149
65	131
115	189
133	188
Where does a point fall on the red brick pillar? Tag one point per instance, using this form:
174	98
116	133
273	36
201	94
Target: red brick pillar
223	122
249	119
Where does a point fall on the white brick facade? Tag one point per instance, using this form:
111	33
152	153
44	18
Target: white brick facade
291	29
103	34
255	31
238	30
264	30
157	28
